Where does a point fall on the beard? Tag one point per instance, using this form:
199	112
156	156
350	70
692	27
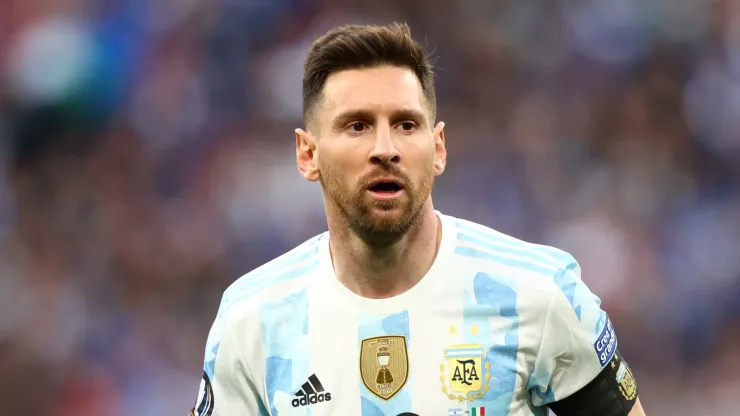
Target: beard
361	216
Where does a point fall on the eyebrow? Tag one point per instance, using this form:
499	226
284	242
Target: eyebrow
363	115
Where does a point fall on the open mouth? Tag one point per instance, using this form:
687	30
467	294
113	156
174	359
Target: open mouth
385	187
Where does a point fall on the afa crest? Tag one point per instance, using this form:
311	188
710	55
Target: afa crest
465	374
626	381
384	365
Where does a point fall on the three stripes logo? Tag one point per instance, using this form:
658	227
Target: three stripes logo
311	392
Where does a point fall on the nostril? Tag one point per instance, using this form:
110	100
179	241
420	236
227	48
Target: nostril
384	160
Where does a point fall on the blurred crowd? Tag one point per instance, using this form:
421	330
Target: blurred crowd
148	162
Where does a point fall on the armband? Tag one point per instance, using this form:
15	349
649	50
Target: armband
612	393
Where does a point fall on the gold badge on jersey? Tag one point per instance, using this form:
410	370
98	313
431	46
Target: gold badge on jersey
465	374
384	365
626	381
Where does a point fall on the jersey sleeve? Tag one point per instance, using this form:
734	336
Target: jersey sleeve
578	340
227	386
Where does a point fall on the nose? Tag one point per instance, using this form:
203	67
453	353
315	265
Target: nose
384	150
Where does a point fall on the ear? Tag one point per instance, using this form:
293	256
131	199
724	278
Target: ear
440	151
305	152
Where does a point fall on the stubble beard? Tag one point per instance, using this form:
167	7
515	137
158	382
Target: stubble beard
377	231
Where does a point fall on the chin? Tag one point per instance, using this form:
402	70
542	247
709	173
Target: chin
381	221
389	217
384	227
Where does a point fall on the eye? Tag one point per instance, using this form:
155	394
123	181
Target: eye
407	126
357	127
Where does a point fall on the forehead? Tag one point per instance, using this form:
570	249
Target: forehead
379	90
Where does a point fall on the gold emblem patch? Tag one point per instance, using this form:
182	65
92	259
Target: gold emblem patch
384	365
465	375
626	381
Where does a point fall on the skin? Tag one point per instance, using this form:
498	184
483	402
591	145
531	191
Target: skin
375	123
637	409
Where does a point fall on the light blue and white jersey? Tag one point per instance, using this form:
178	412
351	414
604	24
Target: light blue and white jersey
497	327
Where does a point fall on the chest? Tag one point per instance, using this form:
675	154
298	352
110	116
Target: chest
457	354
383	370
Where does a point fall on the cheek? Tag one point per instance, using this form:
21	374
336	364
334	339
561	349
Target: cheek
342	161
424	161
335	170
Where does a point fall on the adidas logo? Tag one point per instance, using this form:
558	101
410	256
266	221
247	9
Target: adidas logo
311	392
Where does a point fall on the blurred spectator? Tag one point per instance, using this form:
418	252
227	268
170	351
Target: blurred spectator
148	162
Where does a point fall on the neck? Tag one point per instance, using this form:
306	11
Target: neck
385	272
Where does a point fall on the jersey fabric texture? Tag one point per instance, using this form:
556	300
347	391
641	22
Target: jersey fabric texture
498	326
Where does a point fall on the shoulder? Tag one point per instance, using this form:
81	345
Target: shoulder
534	271
274	279
494	248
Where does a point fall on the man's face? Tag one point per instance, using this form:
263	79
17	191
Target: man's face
376	153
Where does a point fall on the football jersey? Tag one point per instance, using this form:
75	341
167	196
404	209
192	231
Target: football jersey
496	327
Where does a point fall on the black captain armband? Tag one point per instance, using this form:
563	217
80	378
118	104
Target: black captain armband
612	393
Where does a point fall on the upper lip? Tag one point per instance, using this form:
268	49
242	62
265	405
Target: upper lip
392	180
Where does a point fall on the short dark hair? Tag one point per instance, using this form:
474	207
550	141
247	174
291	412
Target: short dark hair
365	46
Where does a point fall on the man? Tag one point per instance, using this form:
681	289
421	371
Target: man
399	309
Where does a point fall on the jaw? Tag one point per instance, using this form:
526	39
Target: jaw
371	218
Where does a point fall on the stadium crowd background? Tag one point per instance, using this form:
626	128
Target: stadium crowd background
148	162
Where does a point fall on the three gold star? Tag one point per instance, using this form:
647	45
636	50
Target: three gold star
474	330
